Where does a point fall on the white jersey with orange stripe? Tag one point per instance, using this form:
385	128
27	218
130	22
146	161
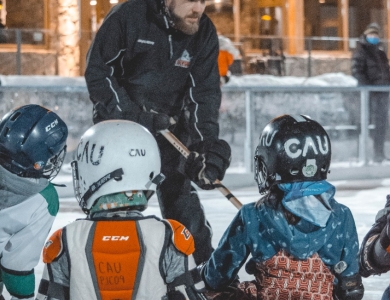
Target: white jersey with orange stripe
119	258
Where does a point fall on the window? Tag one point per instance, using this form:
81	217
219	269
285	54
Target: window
24	21
322	19
363	12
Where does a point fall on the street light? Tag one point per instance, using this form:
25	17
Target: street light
266	18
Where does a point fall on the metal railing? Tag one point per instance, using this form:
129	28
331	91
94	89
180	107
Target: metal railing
244	113
328	115
21	43
260	49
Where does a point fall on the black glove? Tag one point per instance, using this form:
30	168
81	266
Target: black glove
384	211
251	267
154	122
384	238
100	113
374	256
208	162
382	221
349	288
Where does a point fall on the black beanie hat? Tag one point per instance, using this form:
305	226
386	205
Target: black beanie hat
372	28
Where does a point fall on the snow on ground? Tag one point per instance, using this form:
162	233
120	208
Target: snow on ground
363	197
330	79
41	80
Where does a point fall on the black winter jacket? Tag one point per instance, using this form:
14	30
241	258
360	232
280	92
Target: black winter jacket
137	62
370	65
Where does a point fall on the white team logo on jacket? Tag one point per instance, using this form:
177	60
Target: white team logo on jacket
184	60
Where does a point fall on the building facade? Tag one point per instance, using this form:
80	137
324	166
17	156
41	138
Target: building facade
52	37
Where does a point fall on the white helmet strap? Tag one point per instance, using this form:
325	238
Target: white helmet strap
94	187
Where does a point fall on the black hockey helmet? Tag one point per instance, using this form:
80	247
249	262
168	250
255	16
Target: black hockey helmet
32	142
291	148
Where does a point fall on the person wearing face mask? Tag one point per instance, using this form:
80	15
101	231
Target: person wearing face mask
370	66
155	62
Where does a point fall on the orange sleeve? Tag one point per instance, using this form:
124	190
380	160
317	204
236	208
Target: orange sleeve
225	59
53	247
182	238
222	63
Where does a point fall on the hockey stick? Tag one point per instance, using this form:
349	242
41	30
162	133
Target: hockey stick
185	152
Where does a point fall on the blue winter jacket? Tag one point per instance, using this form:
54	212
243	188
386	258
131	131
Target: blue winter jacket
262	231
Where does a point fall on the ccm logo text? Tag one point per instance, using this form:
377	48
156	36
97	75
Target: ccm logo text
51	125
115	238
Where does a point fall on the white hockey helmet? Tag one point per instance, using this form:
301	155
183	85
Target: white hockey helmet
112	157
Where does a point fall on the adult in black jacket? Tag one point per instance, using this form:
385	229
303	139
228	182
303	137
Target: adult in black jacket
155	62
370	66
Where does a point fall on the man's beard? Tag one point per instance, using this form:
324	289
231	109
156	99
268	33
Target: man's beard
180	24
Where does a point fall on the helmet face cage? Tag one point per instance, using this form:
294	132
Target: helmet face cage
292	148
261	175
33	142
76	187
112	157
54	164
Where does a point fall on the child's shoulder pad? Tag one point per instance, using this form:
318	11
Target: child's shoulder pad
53	247
181	237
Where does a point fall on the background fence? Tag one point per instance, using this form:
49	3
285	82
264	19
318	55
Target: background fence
41	52
343	111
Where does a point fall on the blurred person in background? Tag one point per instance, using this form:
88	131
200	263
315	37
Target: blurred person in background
227	54
370	66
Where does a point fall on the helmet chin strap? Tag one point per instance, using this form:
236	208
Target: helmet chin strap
98	184
94	187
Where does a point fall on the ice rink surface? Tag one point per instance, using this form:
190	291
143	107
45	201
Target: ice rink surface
363	197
